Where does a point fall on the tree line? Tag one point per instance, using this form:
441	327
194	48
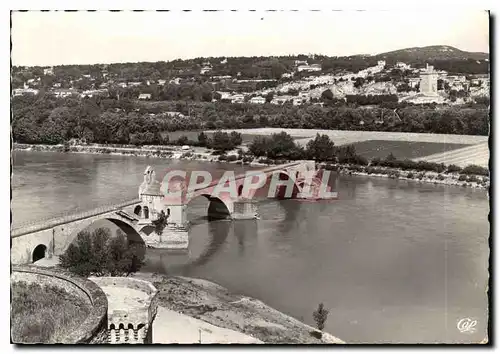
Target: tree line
50	120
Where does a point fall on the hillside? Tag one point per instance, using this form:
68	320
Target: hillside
430	53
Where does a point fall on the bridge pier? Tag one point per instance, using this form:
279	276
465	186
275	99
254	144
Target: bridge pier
244	209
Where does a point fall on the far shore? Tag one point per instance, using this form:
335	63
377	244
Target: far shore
207	155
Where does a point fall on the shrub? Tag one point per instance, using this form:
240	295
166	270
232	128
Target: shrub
231	158
316	334
462	178
472	178
410	175
475	170
97	253
440	177
394	174
223	158
376	161
453	168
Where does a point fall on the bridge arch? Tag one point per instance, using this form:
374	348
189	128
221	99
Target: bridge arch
134	236
38	253
217	208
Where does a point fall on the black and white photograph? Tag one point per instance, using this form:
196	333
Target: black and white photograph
250	177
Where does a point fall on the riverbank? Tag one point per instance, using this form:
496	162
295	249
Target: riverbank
213	304
208	155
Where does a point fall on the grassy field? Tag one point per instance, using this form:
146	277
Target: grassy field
193	135
343	137
471	155
402	149
44	314
460	150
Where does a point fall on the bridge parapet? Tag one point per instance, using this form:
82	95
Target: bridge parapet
68	217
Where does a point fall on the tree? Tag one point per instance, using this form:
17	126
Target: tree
235	138
321	148
283	145
97	253
320	316
221	141
327	95
269	96
202	139
259	146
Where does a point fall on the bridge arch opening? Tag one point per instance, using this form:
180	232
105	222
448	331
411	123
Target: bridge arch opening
138	210
114	225
39	252
216	210
146	212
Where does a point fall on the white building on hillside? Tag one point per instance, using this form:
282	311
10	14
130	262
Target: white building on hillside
313	67
144	96
402	66
238	98
24	91
205	70
301	62
258	100
413	82
48	71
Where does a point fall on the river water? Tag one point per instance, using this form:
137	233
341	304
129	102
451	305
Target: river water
393	261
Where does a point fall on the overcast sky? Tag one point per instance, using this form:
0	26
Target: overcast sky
54	38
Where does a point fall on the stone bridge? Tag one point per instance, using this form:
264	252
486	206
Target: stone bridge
138	218
32	242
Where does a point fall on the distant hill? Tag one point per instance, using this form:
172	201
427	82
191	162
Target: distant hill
430	53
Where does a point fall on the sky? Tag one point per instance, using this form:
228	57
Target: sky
58	38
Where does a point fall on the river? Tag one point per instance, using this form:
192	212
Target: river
393	261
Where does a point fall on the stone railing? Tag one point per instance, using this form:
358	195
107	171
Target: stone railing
68	217
94	329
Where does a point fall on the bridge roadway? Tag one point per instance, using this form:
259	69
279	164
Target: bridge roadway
41	225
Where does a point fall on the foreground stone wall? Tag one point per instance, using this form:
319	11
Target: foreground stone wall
94	329
130	317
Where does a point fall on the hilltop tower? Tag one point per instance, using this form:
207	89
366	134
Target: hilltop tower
428	81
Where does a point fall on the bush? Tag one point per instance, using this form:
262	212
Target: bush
475	170
453	169
316	334
223	158
231	158
410	175
472	178
97	253
462	178
440	177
